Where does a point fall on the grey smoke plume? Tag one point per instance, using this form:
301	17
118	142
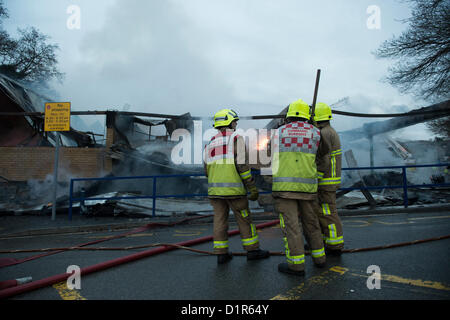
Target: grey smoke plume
149	63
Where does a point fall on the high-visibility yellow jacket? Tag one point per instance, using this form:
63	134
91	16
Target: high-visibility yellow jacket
294	158
329	166
227	177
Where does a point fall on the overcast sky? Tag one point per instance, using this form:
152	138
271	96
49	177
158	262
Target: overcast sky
198	56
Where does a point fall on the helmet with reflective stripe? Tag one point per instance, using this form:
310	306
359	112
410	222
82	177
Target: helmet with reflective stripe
224	117
322	112
299	109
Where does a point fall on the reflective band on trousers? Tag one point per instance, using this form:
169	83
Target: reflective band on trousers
253	239
250	241
318	253
326	209
225	185
295	259
333	232
221	244
246	175
334	241
282	221
329	181
253	228
293	179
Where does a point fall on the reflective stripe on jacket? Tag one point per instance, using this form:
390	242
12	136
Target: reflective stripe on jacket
223	178
294	163
330	168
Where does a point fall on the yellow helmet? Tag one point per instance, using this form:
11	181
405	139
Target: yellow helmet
224	117
322	112
299	109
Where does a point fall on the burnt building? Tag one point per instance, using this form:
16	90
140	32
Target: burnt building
27	151
131	145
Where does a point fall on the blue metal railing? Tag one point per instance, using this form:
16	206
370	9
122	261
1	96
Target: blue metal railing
404	185
154	195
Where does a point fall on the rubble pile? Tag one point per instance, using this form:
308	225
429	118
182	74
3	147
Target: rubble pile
22	197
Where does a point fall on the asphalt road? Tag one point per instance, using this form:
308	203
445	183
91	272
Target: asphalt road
416	272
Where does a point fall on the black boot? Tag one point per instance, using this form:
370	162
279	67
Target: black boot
257	254
333	252
224	258
320	265
284	267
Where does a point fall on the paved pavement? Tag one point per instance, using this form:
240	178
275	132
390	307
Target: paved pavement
33	224
415	272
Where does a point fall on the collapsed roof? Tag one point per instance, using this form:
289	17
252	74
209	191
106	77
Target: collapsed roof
27	130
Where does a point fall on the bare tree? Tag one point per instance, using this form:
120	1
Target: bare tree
422	51
29	58
440	127
3	11
6	43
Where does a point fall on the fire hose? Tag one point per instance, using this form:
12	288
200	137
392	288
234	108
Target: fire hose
177	246
163	247
9	292
9	262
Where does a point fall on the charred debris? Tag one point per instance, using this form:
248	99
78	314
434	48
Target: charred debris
138	144
128	144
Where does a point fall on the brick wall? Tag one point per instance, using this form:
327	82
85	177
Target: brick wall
21	164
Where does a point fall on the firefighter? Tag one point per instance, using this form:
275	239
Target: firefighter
329	181
294	187
229	178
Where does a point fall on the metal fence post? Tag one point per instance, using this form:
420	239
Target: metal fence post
404	185
70	199
154	197
405	188
55	177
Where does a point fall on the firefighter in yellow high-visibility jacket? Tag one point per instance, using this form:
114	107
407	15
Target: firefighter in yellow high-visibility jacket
297	144
229	178
329	168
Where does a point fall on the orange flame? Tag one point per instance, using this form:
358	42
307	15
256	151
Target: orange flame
263	143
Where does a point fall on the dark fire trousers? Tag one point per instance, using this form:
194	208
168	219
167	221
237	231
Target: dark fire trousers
330	222
241	211
289	211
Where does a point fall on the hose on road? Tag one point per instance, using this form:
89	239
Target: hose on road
274	253
6	293
5	262
164	247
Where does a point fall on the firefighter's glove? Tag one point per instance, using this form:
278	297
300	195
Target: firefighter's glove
254	194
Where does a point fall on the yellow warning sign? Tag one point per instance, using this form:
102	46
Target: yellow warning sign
57	116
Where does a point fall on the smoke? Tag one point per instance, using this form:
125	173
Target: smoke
365	103
144	56
422	152
40	192
416	139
